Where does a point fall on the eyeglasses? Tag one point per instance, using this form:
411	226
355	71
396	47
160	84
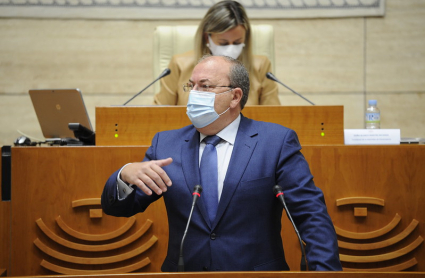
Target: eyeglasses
187	87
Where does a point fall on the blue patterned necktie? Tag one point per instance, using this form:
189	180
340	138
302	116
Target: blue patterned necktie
209	175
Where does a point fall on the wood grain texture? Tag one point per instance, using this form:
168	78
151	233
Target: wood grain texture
398	267
95	261
255	274
391	173
371	234
97	237
127	126
96	213
118	270
380	244
360	200
86	202
383	257
93	248
56	176
5	235
360	212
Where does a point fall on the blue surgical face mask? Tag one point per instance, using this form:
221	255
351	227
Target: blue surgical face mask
200	108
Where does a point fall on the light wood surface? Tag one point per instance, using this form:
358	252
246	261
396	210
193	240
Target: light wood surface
50	182
4	234
381	244
93	248
127	125
360	200
64	182
369	235
269	274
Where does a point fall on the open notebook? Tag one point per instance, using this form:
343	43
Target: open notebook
56	108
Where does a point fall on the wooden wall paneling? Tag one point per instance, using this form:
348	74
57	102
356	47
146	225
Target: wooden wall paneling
46	181
135	125
4	236
389	173
49	180
315	125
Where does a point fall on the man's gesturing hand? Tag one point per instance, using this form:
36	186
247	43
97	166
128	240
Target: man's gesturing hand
148	176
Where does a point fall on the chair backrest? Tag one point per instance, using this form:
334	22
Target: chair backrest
171	40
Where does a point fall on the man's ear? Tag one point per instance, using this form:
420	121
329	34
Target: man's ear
237	97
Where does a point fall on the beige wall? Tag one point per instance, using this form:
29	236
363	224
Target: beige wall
330	61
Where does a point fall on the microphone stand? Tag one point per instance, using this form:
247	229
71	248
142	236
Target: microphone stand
270	76
277	189
164	73
197	190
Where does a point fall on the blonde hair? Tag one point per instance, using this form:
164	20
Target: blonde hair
220	18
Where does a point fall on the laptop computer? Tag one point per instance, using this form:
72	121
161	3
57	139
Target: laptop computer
56	108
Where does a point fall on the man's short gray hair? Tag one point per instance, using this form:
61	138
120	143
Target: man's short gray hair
238	76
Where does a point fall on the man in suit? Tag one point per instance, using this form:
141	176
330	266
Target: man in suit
237	225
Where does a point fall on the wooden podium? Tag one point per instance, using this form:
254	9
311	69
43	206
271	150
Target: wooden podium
374	196
269	274
134	125
57	225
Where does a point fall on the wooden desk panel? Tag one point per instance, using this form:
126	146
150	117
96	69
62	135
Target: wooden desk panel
46	181
268	274
127	125
392	174
4	232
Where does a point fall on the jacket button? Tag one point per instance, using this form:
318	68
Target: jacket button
205	268
213	236
111	200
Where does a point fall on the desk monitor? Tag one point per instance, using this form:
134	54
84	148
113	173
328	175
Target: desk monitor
56	108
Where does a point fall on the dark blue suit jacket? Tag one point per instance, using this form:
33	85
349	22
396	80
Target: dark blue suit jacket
246	234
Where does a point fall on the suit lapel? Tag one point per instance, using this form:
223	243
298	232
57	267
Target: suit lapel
190	166
245	144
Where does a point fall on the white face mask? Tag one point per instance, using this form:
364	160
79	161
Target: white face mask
200	108
231	50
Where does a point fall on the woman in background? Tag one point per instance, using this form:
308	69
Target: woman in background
225	30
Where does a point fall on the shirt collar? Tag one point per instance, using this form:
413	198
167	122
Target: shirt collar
228	133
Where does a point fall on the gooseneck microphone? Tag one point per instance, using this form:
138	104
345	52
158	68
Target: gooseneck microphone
270	76
197	190
164	73
277	189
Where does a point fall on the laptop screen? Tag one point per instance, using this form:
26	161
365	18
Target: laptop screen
56	108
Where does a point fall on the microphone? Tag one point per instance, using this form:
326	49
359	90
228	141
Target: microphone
270	76
164	73
197	190
277	189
